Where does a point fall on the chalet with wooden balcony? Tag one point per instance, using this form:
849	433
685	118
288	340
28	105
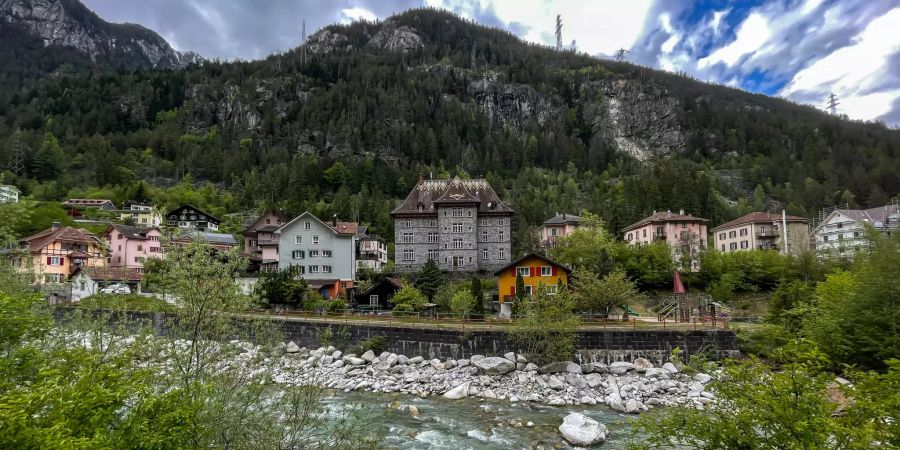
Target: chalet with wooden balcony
53	255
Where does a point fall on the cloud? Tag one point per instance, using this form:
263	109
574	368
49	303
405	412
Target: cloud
349	15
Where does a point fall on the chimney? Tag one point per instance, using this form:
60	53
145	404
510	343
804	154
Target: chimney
681	212
334	221
55	226
564	216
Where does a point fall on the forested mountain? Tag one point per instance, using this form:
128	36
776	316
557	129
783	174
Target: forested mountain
347	124
45	36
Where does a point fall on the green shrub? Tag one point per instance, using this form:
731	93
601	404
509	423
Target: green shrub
336	305
377	344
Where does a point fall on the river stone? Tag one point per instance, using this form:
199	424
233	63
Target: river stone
555	383
531	367
383	356
494	365
354	361
368	356
587	368
402	359
659	373
462	363
458	392
641	365
329	349
339	363
391	360
670	367
573	368
703	378
620	367
413	410
575	380
511	356
489	394
521	366
416	360
554	367
614	401
599	367
476	358
337	354
632	406
292	348
326	360
594	380
587	400
583	431
556	401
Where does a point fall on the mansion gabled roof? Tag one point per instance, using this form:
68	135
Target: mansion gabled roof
428	193
758	217
665	217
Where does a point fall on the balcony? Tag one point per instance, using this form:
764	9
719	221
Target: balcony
659	236
767	234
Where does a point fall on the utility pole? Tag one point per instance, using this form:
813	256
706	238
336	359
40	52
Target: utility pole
559	32
303	43
473	64
621	55
831	103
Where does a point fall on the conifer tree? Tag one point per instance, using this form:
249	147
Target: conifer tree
429	279
477	292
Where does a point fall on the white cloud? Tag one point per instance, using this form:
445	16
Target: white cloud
751	35
357	13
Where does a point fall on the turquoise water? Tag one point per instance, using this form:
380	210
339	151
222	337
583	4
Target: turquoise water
472	423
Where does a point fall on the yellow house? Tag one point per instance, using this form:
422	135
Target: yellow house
536	270
56	253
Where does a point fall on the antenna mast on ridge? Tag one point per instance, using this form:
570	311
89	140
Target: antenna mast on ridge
831	103
559	32
303	44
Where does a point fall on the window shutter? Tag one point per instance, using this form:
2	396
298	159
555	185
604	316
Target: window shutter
533	271
553	270
512	290
512	272
48	261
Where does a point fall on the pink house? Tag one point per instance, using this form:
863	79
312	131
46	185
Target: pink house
685	234
130	246
558	226
260	242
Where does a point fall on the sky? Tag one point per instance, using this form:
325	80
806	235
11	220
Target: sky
798	49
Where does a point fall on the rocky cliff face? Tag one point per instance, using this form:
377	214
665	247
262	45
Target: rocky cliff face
396	38
69	23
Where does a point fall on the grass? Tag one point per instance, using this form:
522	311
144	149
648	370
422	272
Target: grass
130	302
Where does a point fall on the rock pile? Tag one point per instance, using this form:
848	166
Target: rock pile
628	387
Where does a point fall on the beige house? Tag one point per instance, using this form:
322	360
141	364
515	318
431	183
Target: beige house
558	226
762	231
57	253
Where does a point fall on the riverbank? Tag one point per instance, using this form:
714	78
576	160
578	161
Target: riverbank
630	387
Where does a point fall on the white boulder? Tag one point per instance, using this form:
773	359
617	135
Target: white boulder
581	430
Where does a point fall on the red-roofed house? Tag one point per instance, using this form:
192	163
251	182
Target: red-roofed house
762	231
685	235
56	253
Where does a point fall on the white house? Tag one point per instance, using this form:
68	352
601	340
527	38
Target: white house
9	194
843	231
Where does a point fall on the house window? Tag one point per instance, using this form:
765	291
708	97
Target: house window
456	212
315	240
484	222
54	261
484	254
645	232
53	277
373	300
745	244
856	234
501	222
408	223
629	237
432	223
840	225
140	248
732	246
119	236
457	228
523	271
721	235
732	234
457	243
484	235
326	269
313	253
723	247
546	271
555	231
501	236
825	239
743	231
313	269
407	237
529	289
326	253
297	254
306	226
551	289
408	255
501	254
659	231
154	249
433	255
298	240
684	225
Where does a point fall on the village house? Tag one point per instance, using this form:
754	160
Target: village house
218	241
53	255
89	203
556	227
371	253
536	271
763	231
89	281
140	214
843	231
129	247
460	224
9	194
323	253
261	243
191	217
378	296
685	234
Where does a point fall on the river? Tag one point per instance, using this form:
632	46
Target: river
472	423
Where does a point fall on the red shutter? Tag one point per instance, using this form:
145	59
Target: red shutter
48	260
533	271
553	270
512	272
512	290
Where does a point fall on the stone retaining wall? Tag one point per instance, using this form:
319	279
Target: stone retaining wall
602	346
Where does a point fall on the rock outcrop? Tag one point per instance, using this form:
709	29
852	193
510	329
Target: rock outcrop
327	41
71	24
395	38
510	105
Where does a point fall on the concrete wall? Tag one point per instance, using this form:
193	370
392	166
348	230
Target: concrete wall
603	346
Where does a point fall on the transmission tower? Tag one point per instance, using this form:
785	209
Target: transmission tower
19	151
559	32
574	47
621	55
303	43
831	103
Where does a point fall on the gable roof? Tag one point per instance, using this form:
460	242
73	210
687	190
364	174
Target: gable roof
871	215
342	228
663	217
395	282
427	193
562	219
533	255
212	238
758	217
90	203
198	210
11	187
40	240
130	232
251	227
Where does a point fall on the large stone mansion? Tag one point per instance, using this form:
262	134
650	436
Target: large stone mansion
460	224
